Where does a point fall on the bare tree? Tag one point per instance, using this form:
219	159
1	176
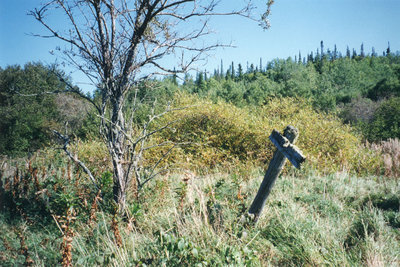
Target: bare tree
118	44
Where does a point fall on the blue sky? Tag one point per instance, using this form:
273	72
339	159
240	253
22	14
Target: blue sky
297	25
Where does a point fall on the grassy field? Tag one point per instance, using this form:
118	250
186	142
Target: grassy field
190	219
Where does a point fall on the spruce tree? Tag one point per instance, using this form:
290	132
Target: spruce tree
362	54
174	77
322	49
388	50
328	54
354	54
251	68
240	71
348	52
335	53
216	73
373	53
317	56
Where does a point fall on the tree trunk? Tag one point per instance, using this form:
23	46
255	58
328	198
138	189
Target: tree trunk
119	184
117	147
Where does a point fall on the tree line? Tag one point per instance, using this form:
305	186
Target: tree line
358	87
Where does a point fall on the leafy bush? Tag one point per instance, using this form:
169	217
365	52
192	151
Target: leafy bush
386	121
24	129
221	134
386	88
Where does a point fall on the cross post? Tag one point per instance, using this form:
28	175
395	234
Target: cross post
285	150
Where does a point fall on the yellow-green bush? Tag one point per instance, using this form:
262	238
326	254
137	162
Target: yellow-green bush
224	135
328	144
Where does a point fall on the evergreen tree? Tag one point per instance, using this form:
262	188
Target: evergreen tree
222	69
174	77
232	71
299	57
240	71
251	69
216	73
362	54
335	53
228	74
329	54
348	52
200	78
388	50
322	49
354	55
373	53
188	80
261	65
200	83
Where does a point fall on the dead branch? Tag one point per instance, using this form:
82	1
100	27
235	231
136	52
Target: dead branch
74	158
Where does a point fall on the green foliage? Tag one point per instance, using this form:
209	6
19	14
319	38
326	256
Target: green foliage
29	110
24	129
177	252
386	88
327	82
386	121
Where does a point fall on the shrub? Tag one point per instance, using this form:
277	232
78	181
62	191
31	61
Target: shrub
386	121
221	134
359	110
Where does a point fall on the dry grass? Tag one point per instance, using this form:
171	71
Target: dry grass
390	151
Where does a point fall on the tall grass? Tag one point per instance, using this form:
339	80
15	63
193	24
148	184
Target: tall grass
194	220
390	151
335	220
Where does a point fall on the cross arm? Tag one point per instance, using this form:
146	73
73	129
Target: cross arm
290	151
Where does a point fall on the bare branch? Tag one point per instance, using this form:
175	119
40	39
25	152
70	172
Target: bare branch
74	158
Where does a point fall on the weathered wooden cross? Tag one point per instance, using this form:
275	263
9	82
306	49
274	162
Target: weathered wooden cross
285	149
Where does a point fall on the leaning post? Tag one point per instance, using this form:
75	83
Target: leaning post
285	150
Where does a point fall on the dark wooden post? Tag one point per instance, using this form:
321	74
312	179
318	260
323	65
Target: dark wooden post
285	149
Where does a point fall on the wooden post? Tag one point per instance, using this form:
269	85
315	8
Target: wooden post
285	149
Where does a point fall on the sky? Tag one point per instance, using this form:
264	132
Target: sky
296	26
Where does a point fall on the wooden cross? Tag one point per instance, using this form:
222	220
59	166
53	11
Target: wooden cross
285	149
